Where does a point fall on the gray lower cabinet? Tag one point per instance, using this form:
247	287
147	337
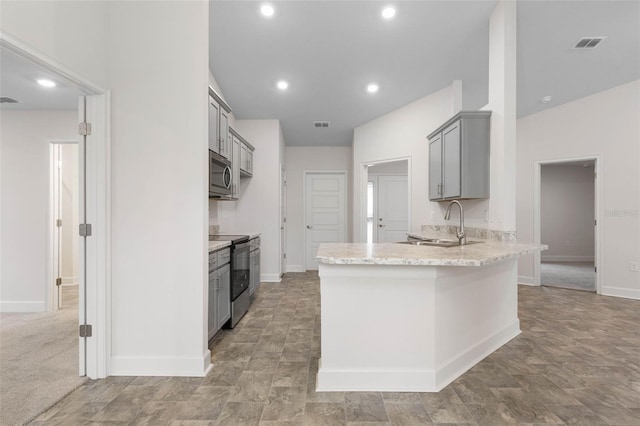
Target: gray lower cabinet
223	304
219	290
459	157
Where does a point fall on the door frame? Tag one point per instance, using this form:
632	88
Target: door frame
52	239
305	174
98	284
537	227
364	181
283	220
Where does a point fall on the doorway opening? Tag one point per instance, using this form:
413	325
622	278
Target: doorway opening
64	219
567	223
88	104
388	204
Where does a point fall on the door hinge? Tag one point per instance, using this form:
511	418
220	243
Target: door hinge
85	229
595	222
285	220
84	128
58	281
285	255
85	330
59	223
595	269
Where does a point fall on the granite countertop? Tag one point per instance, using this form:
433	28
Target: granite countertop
485	253
217	245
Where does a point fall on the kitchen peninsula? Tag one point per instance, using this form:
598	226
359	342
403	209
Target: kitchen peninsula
399	317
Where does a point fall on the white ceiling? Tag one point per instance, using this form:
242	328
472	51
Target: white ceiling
330	50
18	81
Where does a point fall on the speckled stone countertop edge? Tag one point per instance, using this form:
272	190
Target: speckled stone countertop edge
217	245
486	253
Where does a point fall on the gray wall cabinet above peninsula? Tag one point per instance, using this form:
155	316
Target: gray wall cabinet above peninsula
459	157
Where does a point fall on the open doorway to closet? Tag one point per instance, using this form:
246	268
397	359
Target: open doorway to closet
568	224
387	202
65	209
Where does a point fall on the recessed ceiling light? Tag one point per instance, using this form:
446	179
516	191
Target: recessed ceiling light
388	12
46	83
267	10
282	85
372	88
545	99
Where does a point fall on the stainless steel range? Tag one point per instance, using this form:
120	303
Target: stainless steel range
240	264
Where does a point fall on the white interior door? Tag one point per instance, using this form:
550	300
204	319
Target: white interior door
324	213
393	208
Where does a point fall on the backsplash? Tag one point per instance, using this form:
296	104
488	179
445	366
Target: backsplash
486	234
214	229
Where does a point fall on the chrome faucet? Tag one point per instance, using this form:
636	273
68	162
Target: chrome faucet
462	239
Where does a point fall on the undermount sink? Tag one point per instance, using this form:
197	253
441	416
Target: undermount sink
438	242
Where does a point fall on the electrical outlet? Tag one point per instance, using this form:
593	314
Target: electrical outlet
486	216
633	266
567	243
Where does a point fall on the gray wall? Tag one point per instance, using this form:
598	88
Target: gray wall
567	212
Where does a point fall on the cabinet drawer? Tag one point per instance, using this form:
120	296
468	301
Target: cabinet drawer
213	261
224	256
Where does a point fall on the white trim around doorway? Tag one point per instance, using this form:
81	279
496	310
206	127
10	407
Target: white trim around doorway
537	229
98	207
364	181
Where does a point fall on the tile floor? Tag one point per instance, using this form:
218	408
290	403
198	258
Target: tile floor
577	361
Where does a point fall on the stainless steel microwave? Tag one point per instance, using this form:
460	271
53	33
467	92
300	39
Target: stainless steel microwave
219	176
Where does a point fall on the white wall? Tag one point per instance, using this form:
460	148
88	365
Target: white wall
24	190
258	207
301	159
72	33
390	168
401	134
159	210
567	213
604	125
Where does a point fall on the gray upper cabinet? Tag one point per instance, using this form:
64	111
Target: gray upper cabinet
246	159
219	136
459	157
214	129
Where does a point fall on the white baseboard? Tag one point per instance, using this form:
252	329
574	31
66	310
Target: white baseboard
22	307
270	278
161	366
552	258
527	280
457	366
295	268
416	380
627	293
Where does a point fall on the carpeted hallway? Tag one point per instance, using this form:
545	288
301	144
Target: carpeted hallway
571	275
38	360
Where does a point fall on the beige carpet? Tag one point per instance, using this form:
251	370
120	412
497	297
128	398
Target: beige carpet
38	362
571	275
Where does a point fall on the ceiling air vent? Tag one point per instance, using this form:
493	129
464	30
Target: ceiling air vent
6	100
320	124
588	42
